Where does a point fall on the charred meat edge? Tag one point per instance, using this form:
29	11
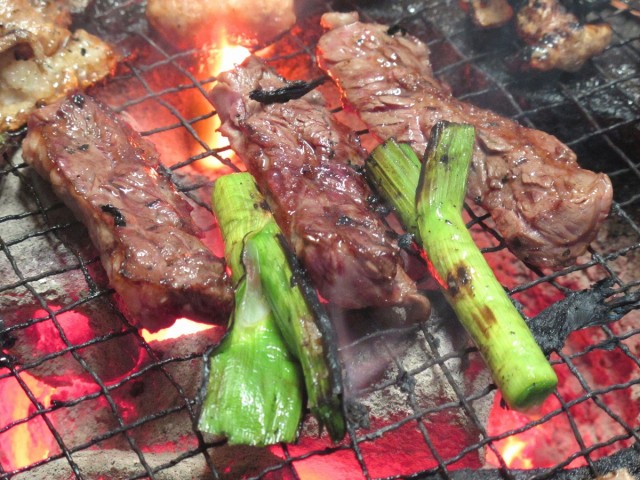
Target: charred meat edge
544	205
110	177
302	159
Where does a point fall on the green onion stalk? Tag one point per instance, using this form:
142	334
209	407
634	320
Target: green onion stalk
518	365
254	385
274	350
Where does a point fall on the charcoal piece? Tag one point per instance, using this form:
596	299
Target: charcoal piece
586	308
290	91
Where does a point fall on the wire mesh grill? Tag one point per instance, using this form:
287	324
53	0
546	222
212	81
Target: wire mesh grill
89	369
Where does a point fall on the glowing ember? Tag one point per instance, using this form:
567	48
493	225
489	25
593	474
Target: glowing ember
222	58
47	336
183	326
554	440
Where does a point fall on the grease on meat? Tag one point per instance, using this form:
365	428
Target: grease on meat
544	205
555	37
302	158
109	177
41	60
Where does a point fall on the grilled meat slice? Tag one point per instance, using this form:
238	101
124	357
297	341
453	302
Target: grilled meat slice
109	177
488	13
301	157
192	23
41	60
545	206
555	37
40	28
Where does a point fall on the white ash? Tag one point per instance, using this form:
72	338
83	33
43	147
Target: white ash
33	251
394	374
113	464
116	464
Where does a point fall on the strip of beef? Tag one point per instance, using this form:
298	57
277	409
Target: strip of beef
301	157
110	177
555	37
545	206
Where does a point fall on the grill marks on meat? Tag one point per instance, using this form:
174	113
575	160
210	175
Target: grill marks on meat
301	157
555	37
108	176
41	60
544	205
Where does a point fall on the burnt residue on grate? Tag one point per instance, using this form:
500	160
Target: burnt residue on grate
582	309
137	410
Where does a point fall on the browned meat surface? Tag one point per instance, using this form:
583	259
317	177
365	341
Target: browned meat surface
39	27
300	156
545	206
488	13
149	246
192	23
41	60
555	37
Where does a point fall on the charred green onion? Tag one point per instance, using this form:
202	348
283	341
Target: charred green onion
276	319
519	368
296	322
254	390
254	385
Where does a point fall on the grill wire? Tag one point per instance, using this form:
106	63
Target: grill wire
595	111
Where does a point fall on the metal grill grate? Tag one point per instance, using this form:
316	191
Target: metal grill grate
48	274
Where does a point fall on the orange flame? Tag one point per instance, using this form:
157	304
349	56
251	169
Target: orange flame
513	452
31	441
520	450
224	56
183	326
